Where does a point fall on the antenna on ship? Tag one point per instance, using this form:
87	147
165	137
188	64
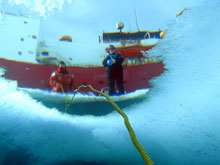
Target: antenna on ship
135	14
120	26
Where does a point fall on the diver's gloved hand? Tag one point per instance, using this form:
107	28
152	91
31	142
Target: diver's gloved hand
110	62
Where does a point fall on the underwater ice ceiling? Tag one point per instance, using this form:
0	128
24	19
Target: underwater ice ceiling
39	7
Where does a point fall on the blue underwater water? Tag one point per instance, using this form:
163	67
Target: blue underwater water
177	123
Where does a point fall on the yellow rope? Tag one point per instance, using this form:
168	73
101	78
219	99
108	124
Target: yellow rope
66	101
139	147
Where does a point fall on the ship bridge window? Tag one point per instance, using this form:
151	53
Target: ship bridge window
146	60
45	53
30	51
129	61
143	60
34	36
136	61
19	53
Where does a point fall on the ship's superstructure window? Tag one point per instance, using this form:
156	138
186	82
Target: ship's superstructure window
137	61
130	61
34	36
31	52
45	53
19	53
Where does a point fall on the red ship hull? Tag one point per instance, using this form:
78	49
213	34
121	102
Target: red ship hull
37	76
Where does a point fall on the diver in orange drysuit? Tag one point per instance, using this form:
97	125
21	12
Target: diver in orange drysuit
61	80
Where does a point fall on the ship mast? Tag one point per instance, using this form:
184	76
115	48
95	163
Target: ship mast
135	14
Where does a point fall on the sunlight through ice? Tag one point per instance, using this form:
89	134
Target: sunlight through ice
41	7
